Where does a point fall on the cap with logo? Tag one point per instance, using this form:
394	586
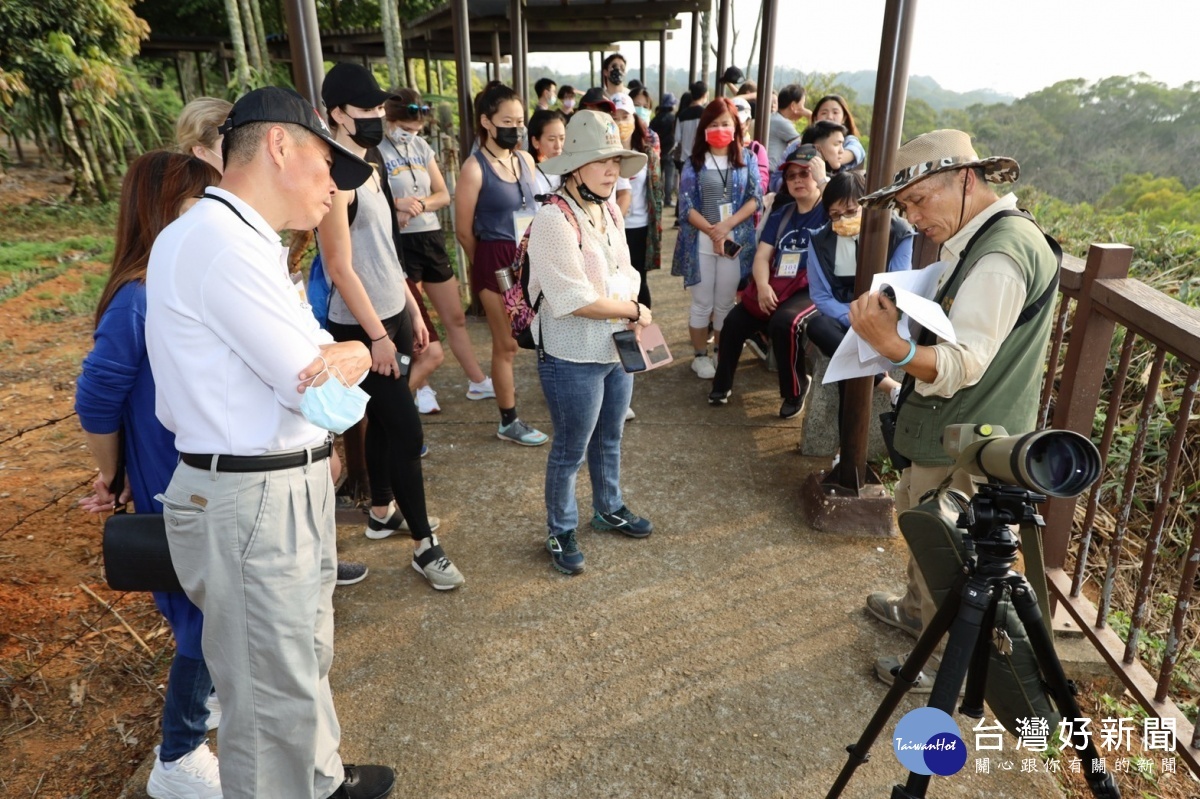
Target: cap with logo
594	98
275	104
801	156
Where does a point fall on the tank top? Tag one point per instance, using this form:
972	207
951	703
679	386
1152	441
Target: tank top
498	199
373	254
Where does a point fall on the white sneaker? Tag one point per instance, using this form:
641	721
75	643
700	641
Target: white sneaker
427	400
214	711
480	391
704	368
629	414
430	561
193	776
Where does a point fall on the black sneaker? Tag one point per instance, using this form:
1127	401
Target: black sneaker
791	407
350	572
719	397
564	552
623	521
365	782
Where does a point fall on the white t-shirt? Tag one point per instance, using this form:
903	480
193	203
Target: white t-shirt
638	215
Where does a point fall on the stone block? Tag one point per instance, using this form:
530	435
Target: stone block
820	436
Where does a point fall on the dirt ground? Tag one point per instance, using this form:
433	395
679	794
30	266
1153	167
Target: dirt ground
703	663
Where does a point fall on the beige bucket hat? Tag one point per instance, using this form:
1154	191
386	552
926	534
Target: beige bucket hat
939	151
593	136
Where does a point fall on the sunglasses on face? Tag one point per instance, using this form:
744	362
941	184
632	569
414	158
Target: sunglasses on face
414	110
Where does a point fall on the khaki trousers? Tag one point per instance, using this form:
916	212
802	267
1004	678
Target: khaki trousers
256	553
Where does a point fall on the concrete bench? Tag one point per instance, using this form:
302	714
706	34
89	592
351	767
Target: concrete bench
819	436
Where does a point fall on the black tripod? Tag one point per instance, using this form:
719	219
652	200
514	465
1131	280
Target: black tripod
968	613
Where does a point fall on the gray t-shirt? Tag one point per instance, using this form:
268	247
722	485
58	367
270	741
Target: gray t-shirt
406	160
373	254
782	133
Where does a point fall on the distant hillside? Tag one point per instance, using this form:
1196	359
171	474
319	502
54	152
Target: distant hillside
921	87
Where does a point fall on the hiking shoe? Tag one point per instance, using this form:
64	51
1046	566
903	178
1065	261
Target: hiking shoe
365	782
424	450
350	572
193	776
564	552
791	407
623	521
378	529
213	706
520	433
754	344
430	561
894	396
704	367
480	391
630	415
887	609
719	397
887	667
427	401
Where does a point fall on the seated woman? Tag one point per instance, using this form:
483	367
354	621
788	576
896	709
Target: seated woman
832	262
776	300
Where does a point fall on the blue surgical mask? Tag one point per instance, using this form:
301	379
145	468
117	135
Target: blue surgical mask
334	406
643	114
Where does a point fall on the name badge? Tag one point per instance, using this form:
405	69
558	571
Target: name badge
725	210
521	222
789	264
618	288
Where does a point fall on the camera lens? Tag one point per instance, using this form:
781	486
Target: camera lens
1060	463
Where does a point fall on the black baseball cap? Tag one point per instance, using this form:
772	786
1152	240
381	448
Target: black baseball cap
802	155
274	104
595	99
352	84
733	75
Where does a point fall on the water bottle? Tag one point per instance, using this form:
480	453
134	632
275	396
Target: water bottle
504	278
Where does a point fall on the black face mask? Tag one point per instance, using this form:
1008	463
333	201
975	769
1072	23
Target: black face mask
615	76
367	132
507	138
589	195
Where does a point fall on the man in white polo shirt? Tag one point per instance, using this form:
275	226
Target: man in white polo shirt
249	510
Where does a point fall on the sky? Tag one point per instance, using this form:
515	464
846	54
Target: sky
1014	47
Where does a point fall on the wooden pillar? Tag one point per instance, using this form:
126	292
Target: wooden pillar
723	17
766	70
642	62
516	19
304	44
462	61
662	66
224	64
183	95
692	66
200	71
428	72
592	68
496	57
410	79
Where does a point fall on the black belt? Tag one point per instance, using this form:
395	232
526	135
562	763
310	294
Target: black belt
257	463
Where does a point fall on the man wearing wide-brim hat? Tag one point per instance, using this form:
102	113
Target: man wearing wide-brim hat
1001	267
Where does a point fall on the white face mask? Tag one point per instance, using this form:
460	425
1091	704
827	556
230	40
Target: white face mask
399	135
334	406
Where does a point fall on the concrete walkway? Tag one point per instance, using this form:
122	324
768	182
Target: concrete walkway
728	655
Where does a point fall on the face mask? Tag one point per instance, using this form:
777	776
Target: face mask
848	226
368	132
616	75
643	114
507	138
625	129
568	105
400	136
718	137
332	405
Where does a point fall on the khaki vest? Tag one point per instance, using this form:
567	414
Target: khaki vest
1009	391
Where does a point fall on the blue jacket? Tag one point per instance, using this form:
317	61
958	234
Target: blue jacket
744	186
820	269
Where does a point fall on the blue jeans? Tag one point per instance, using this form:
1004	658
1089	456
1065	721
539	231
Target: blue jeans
184	718
587	404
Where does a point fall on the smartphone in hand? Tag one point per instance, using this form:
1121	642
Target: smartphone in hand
732	248
628	351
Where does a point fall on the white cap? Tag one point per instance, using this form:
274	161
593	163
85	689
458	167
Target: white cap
743	108
622	102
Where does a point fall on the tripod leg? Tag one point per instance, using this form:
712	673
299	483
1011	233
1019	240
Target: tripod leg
1025	602
972	704
905	679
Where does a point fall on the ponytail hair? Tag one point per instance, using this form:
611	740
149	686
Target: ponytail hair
488	102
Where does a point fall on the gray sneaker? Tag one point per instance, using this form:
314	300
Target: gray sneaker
431	562
382	528
887	609
520	433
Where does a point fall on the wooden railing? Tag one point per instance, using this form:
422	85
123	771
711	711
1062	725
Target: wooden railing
1100	306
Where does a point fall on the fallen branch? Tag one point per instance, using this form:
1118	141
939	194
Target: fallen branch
119	618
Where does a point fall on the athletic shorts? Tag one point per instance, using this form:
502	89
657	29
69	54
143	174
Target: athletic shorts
425	258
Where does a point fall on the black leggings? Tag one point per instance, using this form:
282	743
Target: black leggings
394	435
636	238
